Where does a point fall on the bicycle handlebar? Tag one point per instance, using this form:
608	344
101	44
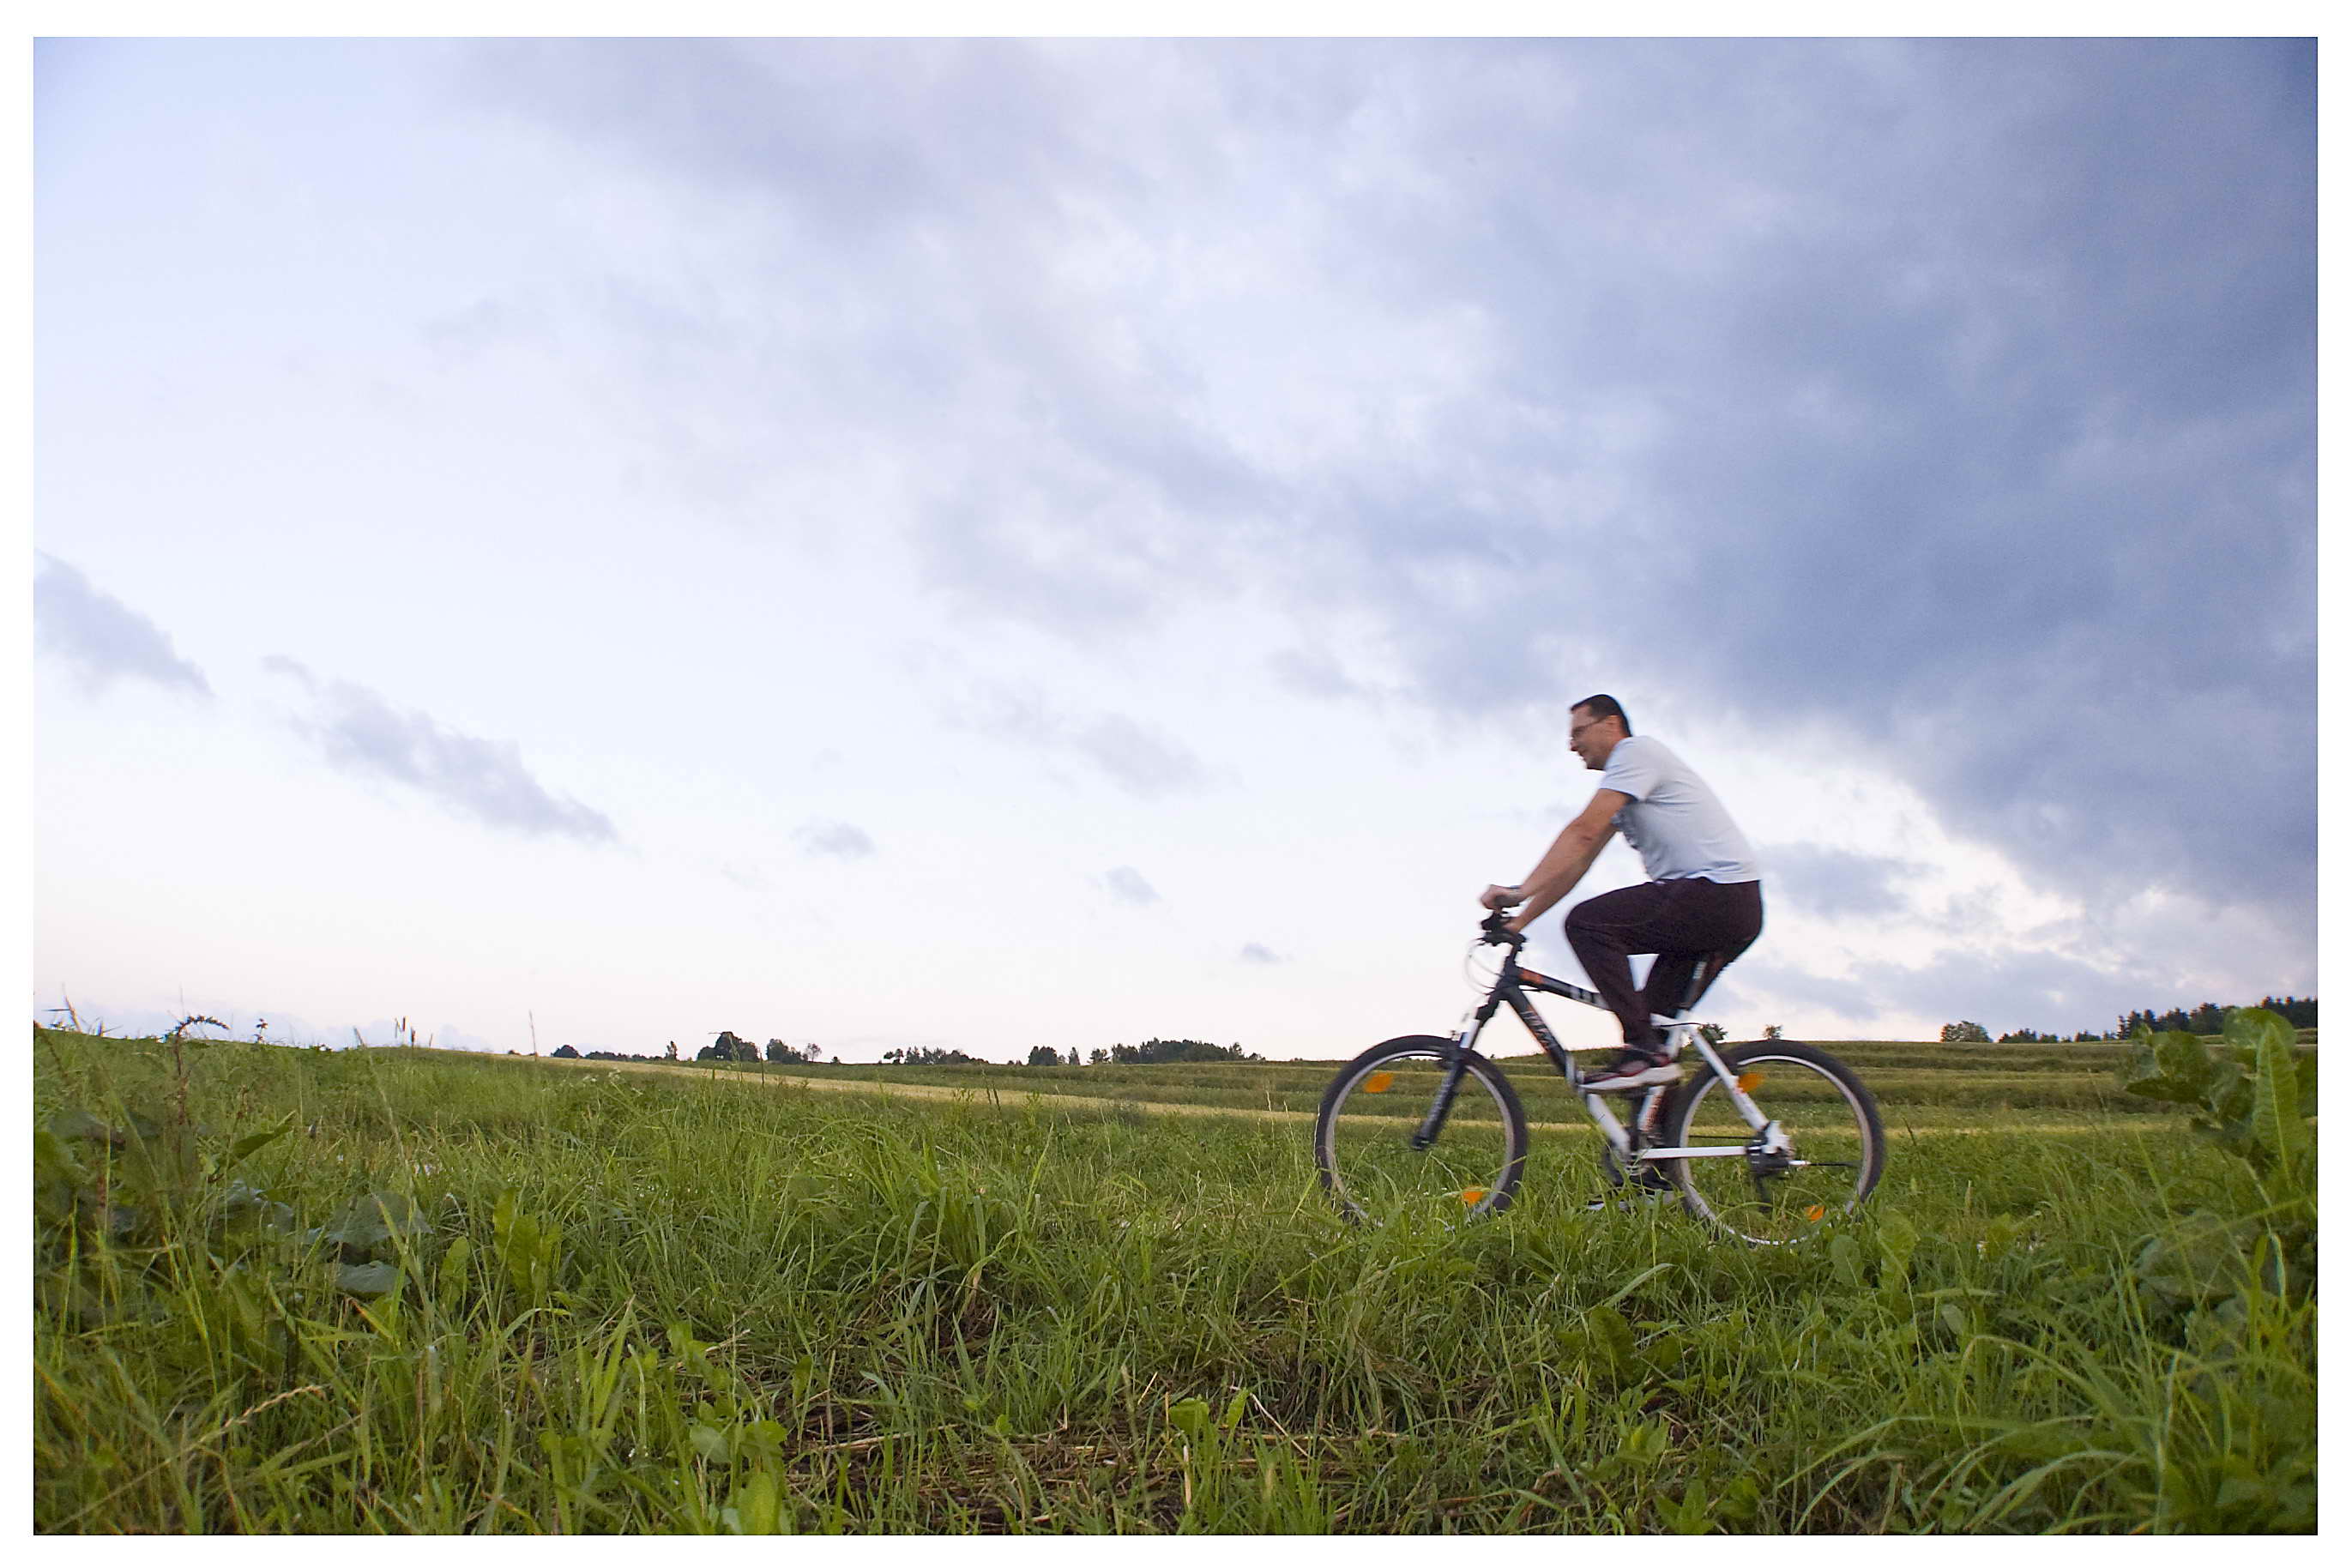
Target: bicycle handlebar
1491	933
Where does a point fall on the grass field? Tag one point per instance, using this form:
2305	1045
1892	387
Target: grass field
1934	1086
488	1294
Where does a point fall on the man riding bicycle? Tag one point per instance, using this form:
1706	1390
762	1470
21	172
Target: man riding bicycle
1703	904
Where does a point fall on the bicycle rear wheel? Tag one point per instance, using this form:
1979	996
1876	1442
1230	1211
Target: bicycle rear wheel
1364	1135
1825	1160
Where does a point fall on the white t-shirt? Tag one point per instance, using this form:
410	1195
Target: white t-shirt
1673	820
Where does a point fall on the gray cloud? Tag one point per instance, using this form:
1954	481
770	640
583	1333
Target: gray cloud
485	324
358	731
1925	455
1125	884
1313	672
1954	400
1847	998
2040	990
1255	952
102	639
1140	761
842	840
1837	883
2003	990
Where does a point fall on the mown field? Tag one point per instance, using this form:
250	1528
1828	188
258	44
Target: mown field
1934	1086
461	1293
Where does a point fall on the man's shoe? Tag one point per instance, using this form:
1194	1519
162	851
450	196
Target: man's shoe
1635	1070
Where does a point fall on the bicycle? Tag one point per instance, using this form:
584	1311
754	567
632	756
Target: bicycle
1395	1134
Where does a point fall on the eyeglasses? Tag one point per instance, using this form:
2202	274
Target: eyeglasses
1576	730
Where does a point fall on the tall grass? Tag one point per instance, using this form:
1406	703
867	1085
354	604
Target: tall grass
637	1301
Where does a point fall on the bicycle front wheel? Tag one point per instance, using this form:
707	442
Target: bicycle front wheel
1817	1159
1379	1107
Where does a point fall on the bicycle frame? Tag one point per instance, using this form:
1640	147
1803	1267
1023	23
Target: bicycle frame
1511	989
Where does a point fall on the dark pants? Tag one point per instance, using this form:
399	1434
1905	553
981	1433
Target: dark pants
1687	923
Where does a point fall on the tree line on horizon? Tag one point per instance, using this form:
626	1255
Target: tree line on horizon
1123	1055
729	1047
2205	1019
2300	1011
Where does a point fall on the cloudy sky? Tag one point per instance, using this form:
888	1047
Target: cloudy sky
993	544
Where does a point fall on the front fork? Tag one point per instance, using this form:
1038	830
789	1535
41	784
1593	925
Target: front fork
1456	1064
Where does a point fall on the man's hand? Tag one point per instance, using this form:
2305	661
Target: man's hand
1565	863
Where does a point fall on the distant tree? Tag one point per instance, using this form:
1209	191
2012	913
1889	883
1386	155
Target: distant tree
780	1052
1074	1056
673	1050
2302	1012
2207	1019
1712	1032
1044	1057
732	1047
1771	1031
931	1057
1179	1051
1096	1056
810	1053
2027	1037
565	1051
1965	1033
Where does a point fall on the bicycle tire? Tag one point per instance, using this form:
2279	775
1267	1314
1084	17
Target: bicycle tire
1838	1143
1363	1132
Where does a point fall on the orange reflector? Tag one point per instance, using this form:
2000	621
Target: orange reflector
1748	1080
1378	1082
1471	1195
1815	1212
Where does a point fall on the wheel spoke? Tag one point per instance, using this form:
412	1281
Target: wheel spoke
1365	1133
1816	1103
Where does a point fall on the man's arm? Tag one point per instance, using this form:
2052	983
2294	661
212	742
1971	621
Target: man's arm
1565	863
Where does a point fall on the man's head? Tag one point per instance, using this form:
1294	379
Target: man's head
1594	727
